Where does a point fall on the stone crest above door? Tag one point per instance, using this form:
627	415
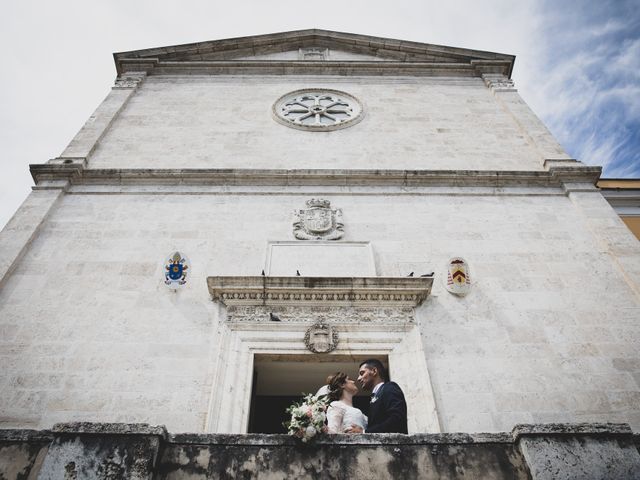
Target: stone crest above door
318	221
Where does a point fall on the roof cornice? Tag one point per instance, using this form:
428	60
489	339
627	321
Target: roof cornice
220	56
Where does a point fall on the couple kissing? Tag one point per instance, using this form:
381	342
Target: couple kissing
387	409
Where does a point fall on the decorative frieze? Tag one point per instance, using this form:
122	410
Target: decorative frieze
358	291
334	315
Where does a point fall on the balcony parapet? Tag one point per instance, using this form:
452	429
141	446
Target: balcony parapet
538	452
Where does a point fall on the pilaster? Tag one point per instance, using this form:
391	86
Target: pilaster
612	236
86	140
25	224
536	133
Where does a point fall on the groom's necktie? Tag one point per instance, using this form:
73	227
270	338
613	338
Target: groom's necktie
375	394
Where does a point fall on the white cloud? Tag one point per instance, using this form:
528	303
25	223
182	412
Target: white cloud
589	95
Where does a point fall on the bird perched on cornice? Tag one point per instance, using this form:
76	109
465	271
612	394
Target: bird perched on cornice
410	275
274	318
297	273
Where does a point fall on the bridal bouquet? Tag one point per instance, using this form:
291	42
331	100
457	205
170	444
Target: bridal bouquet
307	417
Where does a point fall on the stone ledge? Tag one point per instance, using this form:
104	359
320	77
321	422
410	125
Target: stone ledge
78	174
547	429
20	435
373	439
109	429
259	290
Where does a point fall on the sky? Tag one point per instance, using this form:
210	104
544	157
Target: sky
577	62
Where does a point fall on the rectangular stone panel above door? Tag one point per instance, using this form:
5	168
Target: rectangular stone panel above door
320	259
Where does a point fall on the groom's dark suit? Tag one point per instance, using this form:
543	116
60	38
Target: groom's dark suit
388	410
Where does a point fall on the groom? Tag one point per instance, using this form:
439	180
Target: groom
388	409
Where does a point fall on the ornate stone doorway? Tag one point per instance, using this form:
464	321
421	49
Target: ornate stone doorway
269	317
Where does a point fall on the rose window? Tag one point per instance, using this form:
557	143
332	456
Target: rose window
318	110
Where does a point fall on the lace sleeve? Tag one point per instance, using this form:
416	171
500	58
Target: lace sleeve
335	414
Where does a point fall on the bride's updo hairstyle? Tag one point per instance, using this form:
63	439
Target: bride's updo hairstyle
336	385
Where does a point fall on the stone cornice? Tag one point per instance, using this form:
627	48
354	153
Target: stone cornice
401	57
57	173
349	291
76	173
257	67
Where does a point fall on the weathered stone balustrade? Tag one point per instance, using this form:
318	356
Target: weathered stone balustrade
139	451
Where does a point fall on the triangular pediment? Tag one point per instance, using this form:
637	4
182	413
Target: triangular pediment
309	47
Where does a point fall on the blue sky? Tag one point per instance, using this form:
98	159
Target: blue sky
577	65
592	54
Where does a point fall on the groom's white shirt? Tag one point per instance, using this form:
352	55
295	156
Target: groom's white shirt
376	388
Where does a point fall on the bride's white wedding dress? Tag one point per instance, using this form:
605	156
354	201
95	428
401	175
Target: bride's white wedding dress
341	416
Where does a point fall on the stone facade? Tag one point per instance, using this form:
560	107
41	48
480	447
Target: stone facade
448	161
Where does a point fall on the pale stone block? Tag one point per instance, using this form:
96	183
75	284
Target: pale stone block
318	259
566	457
626	364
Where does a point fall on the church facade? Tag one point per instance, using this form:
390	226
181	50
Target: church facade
240	218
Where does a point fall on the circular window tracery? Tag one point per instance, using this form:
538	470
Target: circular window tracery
317	110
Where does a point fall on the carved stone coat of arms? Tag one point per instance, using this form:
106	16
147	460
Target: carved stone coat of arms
321	338
318	221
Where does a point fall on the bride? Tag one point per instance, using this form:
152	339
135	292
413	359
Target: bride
342	416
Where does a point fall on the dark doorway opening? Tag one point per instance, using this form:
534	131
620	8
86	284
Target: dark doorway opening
280	380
